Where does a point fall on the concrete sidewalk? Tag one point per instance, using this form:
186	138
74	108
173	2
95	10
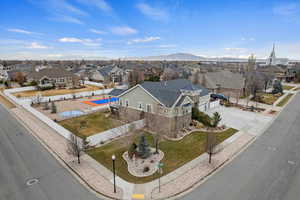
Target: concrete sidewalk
88	170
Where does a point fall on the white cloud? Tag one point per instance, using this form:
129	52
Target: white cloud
20	31
97	31
152	12
123	30
35	45
69	19
248	39
86	42
101	4
235	49
167	46
286	9
61	10
62	6
143	40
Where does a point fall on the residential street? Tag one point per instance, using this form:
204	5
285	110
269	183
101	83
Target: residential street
22	157
267	170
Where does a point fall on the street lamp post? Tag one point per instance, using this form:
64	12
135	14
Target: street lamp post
114	171
160	171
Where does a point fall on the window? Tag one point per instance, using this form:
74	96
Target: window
140	106
126	103
120	102
148	108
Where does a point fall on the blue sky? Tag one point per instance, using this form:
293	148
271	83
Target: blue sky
68	29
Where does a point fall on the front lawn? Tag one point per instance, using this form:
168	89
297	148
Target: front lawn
267	98
297	89
287	87
284	100
94	123
177	153
6	102
54	92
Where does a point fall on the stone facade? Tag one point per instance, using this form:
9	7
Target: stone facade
156	122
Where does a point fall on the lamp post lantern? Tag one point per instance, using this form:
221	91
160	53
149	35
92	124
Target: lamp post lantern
114	171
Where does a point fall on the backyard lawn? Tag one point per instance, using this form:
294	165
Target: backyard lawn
287	87
177	153
94	123
54	92
284	100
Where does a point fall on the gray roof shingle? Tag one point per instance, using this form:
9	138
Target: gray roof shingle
168	92
116	92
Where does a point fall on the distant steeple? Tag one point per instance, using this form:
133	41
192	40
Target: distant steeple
251	63
272	58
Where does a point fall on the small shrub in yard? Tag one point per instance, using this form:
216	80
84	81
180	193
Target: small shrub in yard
201	117
146	169
216	119
143	148
132	150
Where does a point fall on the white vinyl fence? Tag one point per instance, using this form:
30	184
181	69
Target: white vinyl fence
42	99
115	132
214	104
94	139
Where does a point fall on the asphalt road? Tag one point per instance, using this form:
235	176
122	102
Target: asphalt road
268	170
22	158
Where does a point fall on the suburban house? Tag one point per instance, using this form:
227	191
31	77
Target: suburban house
54	77
3	73
165	105
228	83
258	81
291	74
107	74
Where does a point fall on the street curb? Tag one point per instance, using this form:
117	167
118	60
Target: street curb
62	162
210	174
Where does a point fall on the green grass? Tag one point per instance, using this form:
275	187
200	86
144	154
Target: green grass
287	87
268	98
177	153
95	123
284	100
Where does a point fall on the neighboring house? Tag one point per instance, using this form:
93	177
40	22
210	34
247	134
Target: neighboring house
275	71
165	105
258	81
291	73
3	73
14	70
228	83
107	74
54	77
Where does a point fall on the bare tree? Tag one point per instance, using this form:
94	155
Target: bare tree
20	78
211	143
76	147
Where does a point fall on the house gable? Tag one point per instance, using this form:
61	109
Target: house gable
138	96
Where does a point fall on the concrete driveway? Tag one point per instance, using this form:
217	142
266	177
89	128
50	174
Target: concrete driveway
253	123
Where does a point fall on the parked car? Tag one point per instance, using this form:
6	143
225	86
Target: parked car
219	96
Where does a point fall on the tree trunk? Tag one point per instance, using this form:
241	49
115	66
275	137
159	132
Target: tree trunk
78	158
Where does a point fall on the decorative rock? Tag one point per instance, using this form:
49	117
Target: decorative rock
143	167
